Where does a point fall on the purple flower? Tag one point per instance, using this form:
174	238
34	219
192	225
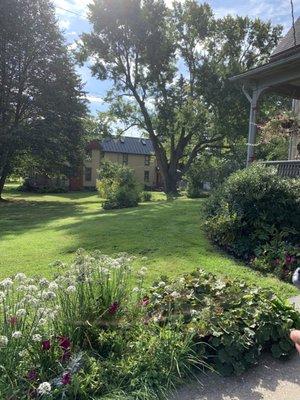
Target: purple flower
113	308
46	344
66	378
66	356
32	375
64	342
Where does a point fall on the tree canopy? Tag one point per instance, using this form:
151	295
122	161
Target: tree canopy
170	69
41	105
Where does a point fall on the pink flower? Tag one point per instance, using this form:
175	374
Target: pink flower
64	342
289	259
66	378
145	301
113	308
46	344
32	375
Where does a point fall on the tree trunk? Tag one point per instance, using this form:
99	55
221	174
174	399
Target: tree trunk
3	177
170	183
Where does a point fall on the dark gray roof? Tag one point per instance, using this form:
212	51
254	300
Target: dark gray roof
128	145
288	41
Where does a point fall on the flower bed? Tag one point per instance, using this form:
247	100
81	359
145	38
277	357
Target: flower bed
90	334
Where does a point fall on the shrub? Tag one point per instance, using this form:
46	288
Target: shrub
118	186
251	208
146	196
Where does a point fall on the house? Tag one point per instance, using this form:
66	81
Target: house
281	75
136	153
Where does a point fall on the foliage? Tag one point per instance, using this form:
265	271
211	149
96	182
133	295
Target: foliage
118	185
146	196
142	46
214	169
275	135
41	103
90	334
253	209
28	187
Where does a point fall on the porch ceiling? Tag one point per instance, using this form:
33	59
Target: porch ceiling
281	76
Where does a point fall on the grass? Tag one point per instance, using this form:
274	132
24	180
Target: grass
165	236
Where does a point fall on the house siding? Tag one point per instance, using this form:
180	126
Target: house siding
135	162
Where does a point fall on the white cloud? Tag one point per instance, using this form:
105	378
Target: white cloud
64	23
93	98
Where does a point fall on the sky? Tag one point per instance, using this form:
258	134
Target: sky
71	15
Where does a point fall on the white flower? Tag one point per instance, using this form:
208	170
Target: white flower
135	290
42	321
44	388
2	296
20	277
175	294
71	289
6	283
3	341
32	288
21	288
194	312
21	312
182	280
23	353
17	335
44	282
37	337
161	284
53	286
48	295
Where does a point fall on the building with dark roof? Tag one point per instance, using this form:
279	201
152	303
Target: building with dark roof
136	153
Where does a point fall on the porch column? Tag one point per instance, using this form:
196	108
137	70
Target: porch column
252	126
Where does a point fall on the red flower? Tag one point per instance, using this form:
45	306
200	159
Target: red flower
13	321
64	342
145	301
66	378
113	308
46	344
276	261
32	375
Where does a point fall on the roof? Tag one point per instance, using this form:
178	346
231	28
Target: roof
128	145
287	44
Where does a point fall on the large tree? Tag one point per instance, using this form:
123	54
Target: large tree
170	69
41	104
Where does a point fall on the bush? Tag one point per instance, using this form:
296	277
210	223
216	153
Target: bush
117	184
252	208
90	334
27	186
146	196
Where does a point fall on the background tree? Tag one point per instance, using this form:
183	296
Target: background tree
170	71
41	106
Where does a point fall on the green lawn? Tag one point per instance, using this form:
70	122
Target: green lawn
167	237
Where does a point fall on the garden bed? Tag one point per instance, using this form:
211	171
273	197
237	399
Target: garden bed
95	331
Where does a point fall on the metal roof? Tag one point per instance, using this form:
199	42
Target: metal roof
288	42
127	145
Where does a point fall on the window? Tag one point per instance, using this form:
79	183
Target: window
88	174
125	159
147	160
146	176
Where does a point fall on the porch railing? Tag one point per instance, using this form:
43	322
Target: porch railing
288	168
